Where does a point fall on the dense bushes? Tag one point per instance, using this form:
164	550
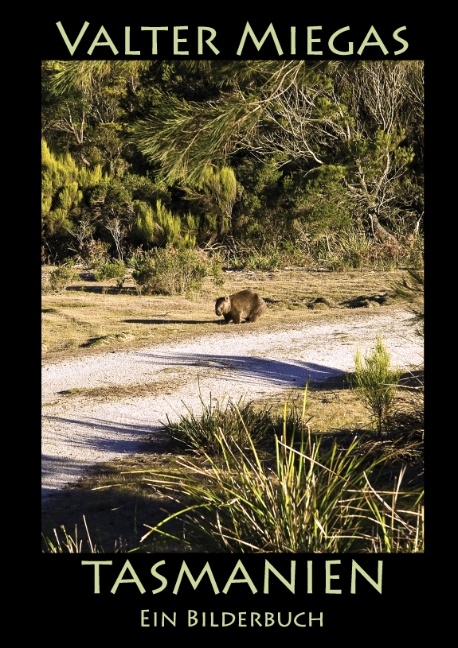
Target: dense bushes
330	159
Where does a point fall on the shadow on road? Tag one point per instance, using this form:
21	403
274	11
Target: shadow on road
170	321
273	371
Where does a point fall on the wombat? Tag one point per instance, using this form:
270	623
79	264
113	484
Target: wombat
245	305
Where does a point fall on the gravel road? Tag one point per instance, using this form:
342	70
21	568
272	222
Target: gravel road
132	392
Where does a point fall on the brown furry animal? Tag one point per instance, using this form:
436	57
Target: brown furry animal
245	305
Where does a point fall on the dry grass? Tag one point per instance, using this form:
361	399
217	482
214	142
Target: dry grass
88	315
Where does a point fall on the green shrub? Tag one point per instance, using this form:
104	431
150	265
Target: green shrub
94	252
376	382
167	271
110	270
216	272
61	276
266	258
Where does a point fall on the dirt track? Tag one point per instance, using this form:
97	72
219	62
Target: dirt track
101	407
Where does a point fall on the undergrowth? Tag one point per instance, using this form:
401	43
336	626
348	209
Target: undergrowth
314	493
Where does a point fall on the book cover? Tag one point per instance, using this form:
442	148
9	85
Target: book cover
222	594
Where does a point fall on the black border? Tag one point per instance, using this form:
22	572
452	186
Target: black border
64	591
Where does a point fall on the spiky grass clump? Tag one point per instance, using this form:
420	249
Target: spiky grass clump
64	542
239	423
397	518
313	497
376	382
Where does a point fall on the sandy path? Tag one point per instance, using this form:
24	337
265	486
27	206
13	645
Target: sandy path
79	430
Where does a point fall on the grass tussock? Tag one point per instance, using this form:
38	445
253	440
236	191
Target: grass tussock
241	424
64	542
316	493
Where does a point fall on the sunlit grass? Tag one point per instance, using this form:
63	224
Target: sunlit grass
313	496
64	542
376	382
